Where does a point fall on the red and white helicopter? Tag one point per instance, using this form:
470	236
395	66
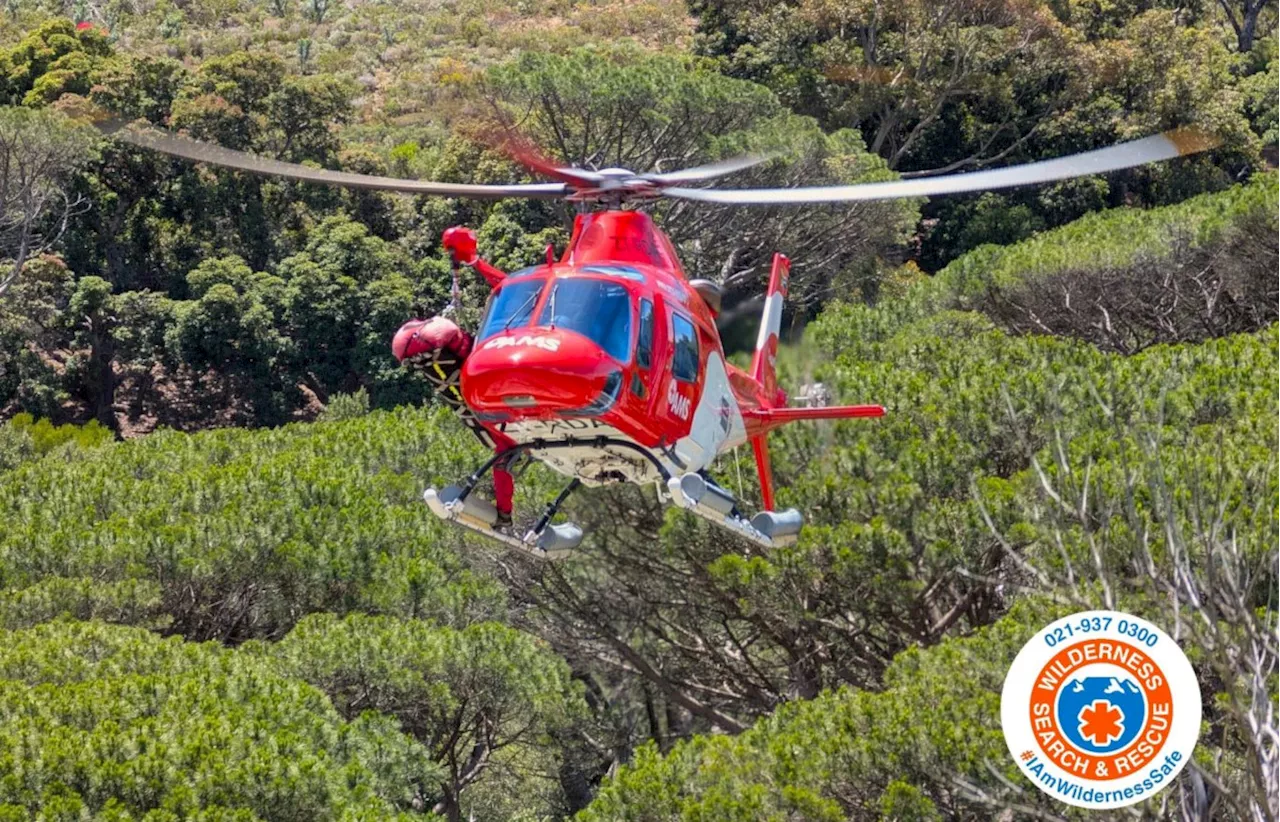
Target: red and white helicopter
606	364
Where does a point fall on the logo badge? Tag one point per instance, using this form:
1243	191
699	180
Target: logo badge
1101	709
545	343
679	403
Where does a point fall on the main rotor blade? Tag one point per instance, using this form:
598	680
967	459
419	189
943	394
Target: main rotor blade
710	171
1166	146
524	152
186	148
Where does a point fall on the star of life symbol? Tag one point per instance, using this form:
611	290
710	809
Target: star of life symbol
1101	722
1101	709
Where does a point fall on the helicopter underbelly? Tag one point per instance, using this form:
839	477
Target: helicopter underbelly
589	462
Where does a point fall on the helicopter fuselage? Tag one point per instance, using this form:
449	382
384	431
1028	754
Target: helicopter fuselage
609	342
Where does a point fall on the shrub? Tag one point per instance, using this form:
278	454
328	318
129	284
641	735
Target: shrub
16	446
1185	296
346	406
845	754
246	532
45	436
477	698
115	722
1110	239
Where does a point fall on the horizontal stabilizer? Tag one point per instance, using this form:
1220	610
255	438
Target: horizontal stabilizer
830	412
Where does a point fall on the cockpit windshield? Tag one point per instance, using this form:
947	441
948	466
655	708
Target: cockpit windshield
511	307
596	309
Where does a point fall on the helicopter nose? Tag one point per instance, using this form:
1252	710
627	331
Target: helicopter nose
536	373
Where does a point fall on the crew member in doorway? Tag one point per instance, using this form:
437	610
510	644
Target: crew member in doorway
438	347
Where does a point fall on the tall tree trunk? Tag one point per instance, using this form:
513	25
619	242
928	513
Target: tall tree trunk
1246	23
102	367
1249	28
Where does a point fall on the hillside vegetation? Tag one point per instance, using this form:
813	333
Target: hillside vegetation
1014	477
221	596
157	293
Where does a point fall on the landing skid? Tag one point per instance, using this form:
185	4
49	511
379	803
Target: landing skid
704	499
454	503
692	492
543	540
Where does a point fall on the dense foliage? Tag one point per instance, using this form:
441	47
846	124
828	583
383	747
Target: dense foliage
1126	280
120	724
186	297
264	621
202	535
1006	464
850	753
235	535
952	85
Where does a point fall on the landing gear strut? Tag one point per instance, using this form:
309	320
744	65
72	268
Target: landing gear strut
694	492
454	503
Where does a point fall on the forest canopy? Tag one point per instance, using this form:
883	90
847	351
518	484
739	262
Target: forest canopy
221	596
181	296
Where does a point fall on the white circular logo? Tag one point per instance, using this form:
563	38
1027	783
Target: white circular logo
1101	709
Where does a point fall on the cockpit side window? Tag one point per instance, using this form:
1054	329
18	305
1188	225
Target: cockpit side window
511	307
644	348
644	341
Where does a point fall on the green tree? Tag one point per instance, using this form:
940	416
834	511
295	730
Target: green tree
248	100
1259	90
39	152
1243	15
345	294
621	107
937	87
32	321
230	330
51	60
473	697
127	724
90	311
903	74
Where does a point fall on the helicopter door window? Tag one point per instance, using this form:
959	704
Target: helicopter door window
511	307
644	344
684	359
597	309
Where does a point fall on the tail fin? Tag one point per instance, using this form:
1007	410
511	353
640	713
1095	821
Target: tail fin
764	364
773	411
